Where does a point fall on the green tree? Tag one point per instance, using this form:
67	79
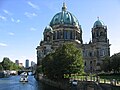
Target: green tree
9	65
67	59
106	66
14	66
115	62
1	67
47	66
6	63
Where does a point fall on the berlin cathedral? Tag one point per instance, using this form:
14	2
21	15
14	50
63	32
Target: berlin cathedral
64	28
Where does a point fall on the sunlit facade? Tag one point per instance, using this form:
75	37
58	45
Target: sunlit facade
63	28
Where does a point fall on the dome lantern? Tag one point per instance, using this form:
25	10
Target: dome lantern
64	7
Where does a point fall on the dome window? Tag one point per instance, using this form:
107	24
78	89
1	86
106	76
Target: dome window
101	33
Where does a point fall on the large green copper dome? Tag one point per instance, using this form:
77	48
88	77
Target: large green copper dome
64	17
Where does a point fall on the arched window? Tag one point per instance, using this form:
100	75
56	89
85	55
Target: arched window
71	37
78	36
97	33
101	33
68	34
93	35
90	54
90	62
85	63
65	34
54	34
102	52
58	34
73	34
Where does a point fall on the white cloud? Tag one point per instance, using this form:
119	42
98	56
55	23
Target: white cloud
10	33
30	15
33	5
32	29
3	44
3	18
17	21
7	12
12	19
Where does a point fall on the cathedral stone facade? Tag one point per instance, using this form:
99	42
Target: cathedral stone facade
64	27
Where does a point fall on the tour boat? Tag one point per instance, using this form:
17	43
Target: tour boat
24	77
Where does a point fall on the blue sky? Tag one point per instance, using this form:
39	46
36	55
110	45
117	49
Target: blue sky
22	23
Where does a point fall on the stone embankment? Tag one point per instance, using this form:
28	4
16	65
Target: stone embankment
82	85
63	86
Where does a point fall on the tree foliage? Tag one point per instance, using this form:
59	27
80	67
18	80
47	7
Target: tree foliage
115	62
1	67
112	63
106	66
7	64
67	59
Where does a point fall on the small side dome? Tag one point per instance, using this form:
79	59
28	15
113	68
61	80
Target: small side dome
98	23
48	29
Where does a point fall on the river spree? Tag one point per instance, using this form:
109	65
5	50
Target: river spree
12	83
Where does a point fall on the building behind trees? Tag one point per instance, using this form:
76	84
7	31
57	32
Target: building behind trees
64	28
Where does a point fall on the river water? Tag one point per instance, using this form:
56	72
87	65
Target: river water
12	83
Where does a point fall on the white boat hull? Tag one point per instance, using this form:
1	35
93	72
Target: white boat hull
23	79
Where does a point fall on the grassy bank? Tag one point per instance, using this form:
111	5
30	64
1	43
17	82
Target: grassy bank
109	76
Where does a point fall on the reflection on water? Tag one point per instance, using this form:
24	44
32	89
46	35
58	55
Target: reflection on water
12	83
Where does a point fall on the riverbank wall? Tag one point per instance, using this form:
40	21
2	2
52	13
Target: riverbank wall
56	84
82	85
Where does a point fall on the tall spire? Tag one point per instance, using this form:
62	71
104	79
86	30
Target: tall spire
64	7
